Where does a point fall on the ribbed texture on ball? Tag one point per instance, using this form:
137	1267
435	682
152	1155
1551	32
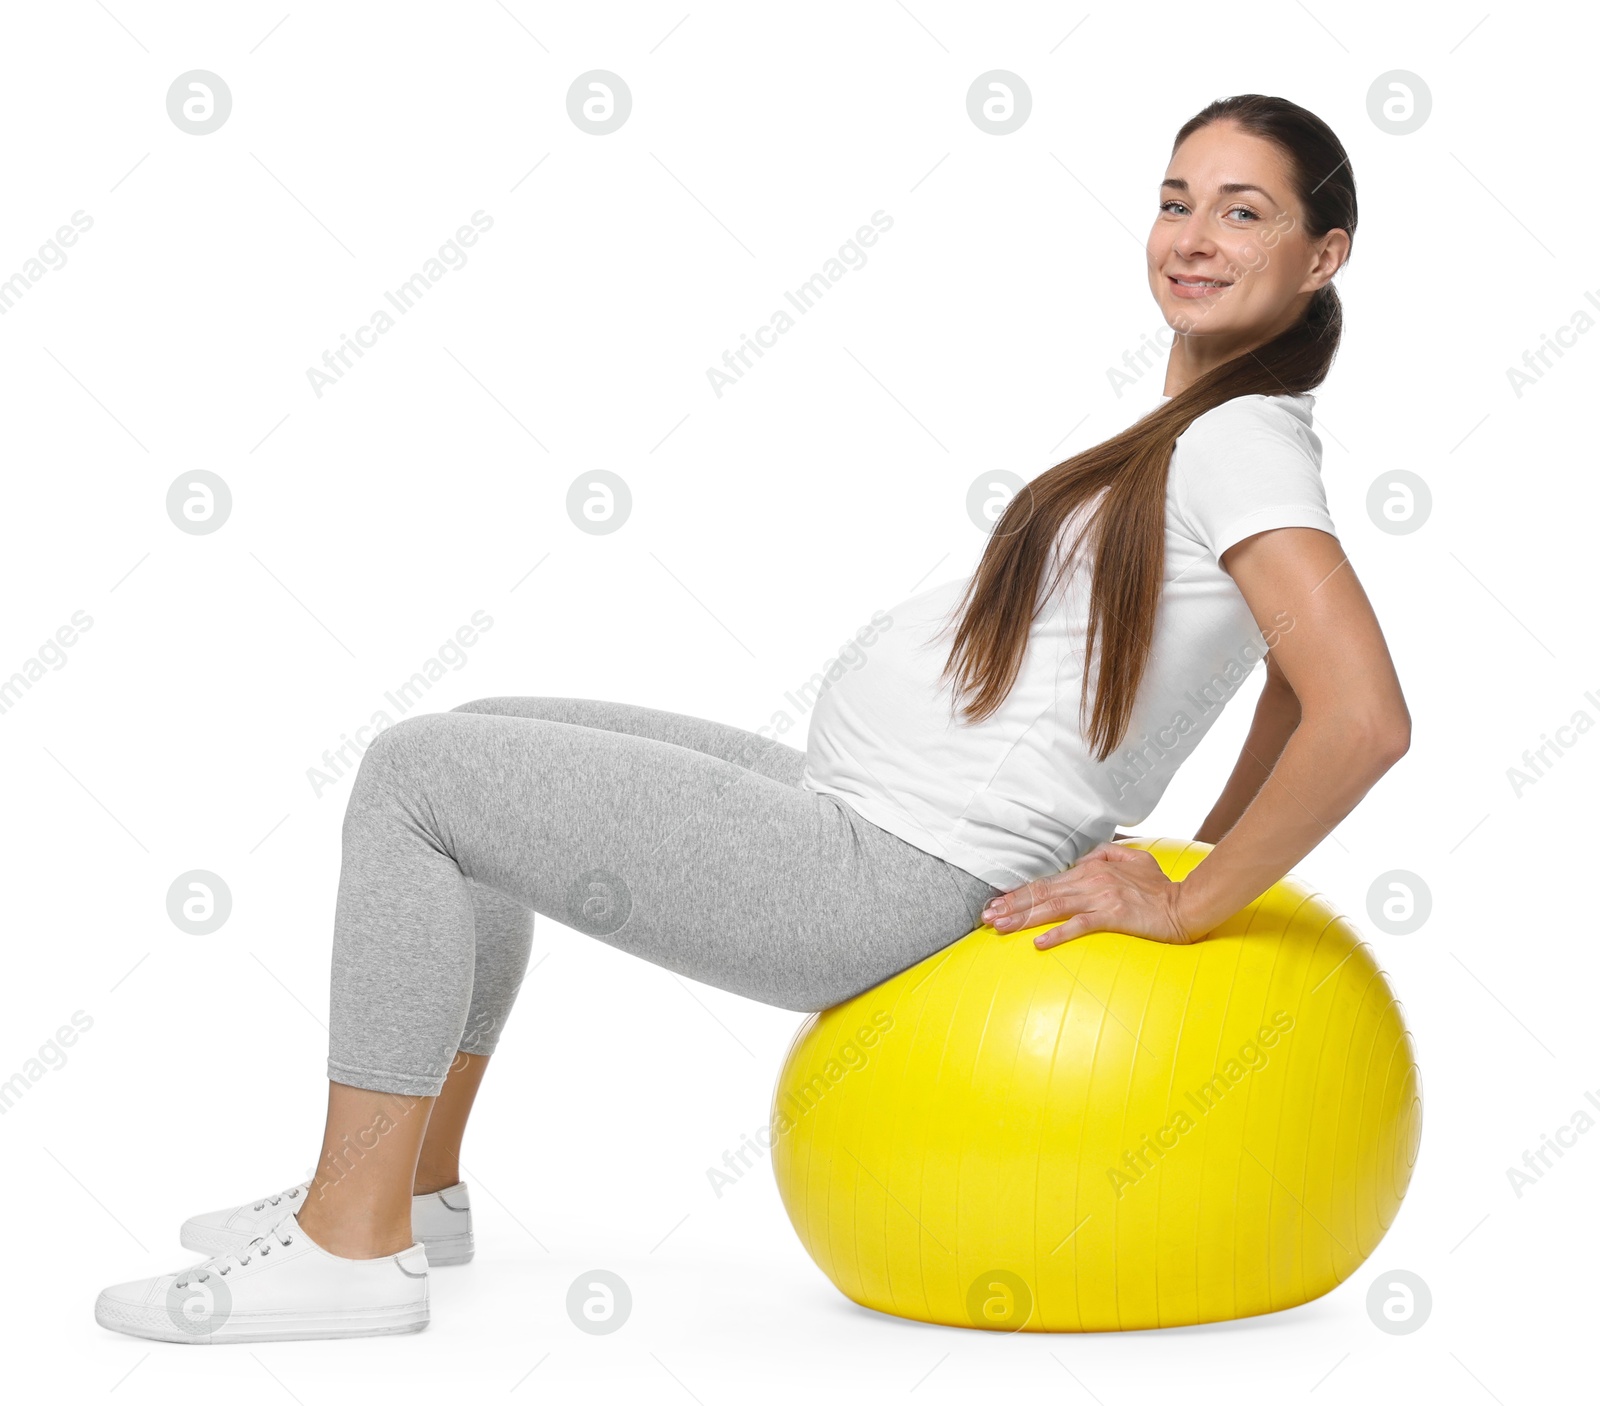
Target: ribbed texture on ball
1111	1134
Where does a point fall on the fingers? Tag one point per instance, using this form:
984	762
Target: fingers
1035	902
1027	898
1004	902
1063	894
1032	897
1025	911
1077	926
1082	924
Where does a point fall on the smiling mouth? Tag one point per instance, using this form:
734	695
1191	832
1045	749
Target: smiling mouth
1196	287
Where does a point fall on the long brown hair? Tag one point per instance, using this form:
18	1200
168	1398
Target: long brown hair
1126	529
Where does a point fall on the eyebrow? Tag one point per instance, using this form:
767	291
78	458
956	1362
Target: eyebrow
1231	188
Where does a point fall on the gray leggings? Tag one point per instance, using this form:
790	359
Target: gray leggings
689	843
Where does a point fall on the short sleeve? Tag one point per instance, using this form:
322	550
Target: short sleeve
1246	466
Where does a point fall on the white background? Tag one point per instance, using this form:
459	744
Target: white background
768	524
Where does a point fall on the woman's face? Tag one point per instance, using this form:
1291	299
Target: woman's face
1229	256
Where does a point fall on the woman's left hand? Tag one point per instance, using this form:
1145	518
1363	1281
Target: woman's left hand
1111	889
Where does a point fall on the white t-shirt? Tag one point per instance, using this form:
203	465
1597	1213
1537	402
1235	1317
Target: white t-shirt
1019	795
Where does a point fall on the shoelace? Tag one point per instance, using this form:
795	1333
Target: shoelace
217	1264
291	1193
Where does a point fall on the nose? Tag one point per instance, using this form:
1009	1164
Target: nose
1193	242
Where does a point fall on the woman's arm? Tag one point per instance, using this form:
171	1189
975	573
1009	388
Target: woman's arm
1353	721
1307	773
1277	716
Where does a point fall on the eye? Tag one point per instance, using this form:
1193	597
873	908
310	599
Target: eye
1244	210
1166	205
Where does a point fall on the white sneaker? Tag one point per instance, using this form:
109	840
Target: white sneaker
441	1220
282	1286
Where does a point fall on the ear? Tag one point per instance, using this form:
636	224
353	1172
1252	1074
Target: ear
1331	257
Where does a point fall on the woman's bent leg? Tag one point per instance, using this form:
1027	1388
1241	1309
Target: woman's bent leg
692	862
503	927
685	858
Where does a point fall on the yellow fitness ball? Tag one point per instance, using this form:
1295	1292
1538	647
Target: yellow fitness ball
1112	1133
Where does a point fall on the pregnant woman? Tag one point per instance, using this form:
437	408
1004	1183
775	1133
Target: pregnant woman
972	766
